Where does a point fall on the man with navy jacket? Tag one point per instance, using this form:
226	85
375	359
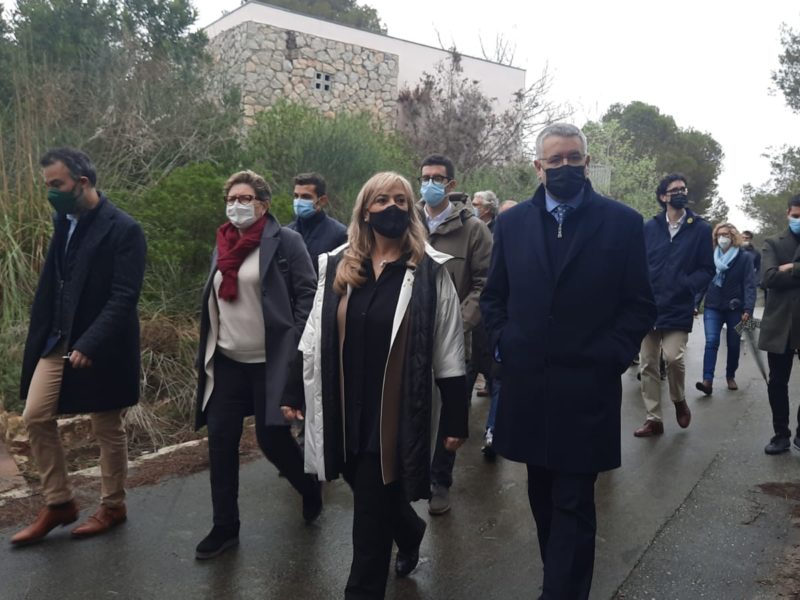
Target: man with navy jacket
566	304
680	257
82	351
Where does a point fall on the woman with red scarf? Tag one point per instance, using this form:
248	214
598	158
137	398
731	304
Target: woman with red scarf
255	304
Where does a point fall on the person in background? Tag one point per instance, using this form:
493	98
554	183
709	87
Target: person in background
729	299
454	230
680	259
82	351
485	207
780	324
254	307
747	246
321	232
488	440
386	325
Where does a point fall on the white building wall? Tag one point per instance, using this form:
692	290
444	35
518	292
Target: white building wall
497	81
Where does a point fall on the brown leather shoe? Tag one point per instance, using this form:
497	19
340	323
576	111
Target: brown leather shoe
732	384
104	519
649	429
48	519
704	386
682	414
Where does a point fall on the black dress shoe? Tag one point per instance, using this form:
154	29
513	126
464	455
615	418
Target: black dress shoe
407	561
216	542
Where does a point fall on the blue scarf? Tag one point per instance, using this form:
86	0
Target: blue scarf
723	262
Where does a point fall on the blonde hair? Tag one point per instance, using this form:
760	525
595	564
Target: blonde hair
361	239
736	237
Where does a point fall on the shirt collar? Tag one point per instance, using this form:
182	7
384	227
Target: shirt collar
551	203
434	222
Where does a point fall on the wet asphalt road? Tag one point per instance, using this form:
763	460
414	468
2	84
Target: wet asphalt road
681	519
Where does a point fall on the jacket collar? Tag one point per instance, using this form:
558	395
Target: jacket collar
590	215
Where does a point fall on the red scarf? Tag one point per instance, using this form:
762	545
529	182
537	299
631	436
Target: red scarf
232	249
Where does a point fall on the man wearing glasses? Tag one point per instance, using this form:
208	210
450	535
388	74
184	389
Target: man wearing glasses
454	230
680	257
566	305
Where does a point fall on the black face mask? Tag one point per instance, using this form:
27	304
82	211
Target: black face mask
391	222
678	201
565	182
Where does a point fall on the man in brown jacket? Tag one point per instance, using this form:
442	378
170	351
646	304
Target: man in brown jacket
780	325
454	230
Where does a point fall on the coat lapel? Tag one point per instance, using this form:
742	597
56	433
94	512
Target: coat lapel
270	238
590	218
97	231
536	233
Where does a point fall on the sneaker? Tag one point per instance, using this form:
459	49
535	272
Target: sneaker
439	503
778	445
487	449
216	542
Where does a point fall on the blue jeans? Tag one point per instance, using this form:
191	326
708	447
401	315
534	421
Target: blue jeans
713	319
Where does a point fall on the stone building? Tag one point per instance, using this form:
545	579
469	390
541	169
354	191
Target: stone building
270	53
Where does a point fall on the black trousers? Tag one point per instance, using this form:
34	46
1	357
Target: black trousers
381	514
780	369
240	391
443	459
563	507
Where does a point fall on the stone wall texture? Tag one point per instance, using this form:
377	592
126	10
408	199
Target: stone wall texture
267	63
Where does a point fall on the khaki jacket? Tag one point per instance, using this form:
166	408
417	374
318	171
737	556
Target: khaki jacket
469	241
780	325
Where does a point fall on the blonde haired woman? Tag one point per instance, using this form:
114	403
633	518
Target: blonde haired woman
730	298
385	323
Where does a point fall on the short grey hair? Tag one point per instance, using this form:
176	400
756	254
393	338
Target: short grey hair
490	198
559	130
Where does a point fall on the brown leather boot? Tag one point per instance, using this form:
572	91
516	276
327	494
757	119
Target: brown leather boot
649	429
732	384
104	519
682	414
49	518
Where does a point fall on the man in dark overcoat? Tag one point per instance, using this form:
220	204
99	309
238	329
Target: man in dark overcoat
780	325
566	304
82	351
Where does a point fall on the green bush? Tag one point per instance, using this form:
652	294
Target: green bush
346	150
514	181
180	216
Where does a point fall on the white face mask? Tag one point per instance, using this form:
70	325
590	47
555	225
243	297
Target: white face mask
240	215
724	242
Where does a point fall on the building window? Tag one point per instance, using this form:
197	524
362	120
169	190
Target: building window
322	81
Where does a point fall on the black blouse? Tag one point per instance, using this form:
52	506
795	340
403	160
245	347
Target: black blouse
368	332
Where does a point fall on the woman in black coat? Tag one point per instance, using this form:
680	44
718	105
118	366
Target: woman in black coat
729	299
255	304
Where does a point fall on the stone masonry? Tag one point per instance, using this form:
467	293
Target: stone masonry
267	63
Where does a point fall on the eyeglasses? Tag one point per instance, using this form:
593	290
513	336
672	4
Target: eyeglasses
574	159
438	179
675	191
242	198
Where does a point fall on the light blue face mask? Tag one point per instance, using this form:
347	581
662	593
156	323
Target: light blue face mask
304	208
794	225
432	193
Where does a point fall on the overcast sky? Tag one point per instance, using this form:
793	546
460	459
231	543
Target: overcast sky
706	63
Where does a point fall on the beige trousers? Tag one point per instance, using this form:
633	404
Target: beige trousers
673	344
40	416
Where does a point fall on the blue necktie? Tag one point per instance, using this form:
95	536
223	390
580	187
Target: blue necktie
560	213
